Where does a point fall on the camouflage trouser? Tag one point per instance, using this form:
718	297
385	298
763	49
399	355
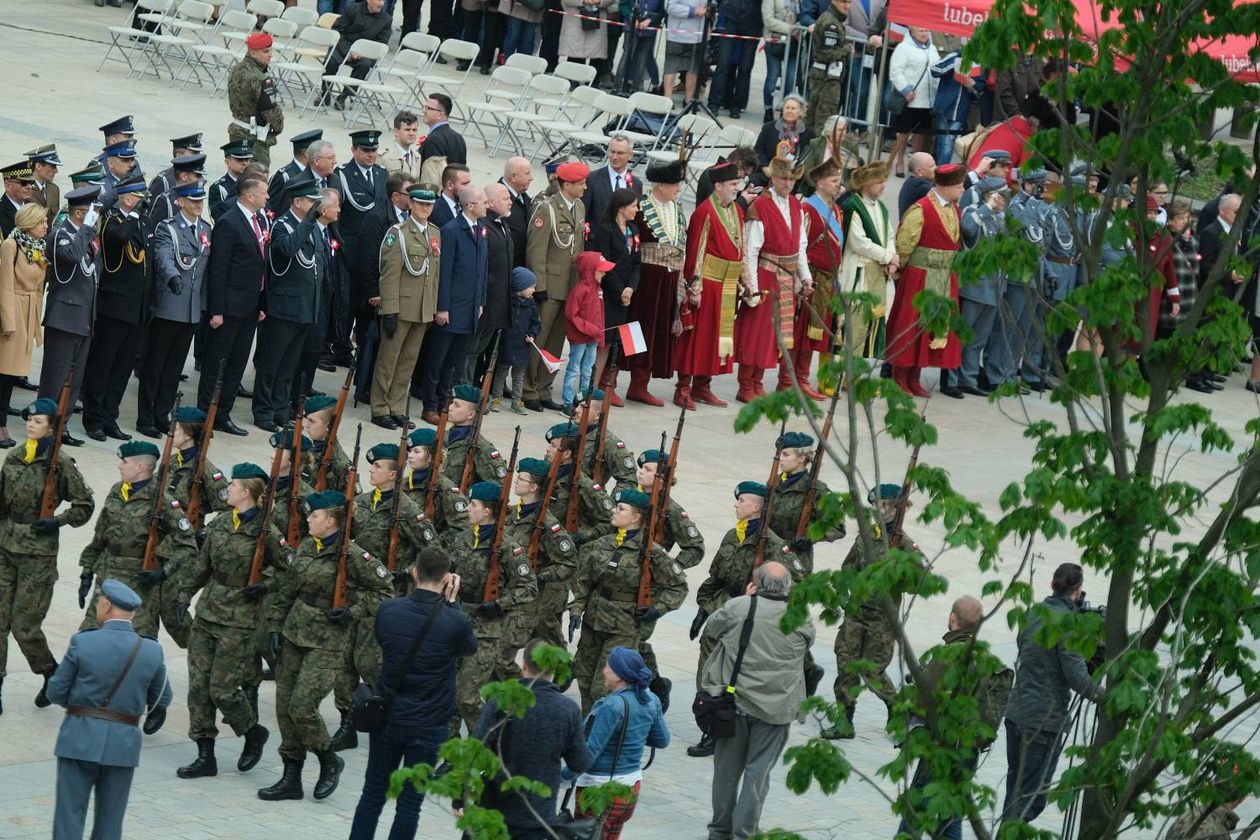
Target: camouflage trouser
518	629
26	590
646	629
549	614
474	672
218	658
873	643
252	676
588	663
361	661
304	676
262	151
825	95
157	602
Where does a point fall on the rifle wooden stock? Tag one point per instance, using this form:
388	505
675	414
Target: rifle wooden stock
391	555
330	445
339	600
811	492
48	503
470	458
571	514
666	471
764	530
260	543
194	493
644	598
540	521
597	468
494	575
159	494
435	466
294	535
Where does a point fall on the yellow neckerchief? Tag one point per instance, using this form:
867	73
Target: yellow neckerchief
179	458
411	484
29	452
376	498
741	530
879	532
621	536
319	544
783	476
125	490
236	520
476	535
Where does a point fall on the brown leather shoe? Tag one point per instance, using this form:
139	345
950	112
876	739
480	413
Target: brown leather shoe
431	417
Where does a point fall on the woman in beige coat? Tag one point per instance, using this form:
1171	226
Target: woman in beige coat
577	43
22	266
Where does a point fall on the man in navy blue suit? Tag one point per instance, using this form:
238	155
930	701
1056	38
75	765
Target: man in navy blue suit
461	297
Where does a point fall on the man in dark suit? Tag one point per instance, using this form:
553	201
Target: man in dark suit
455	179
616	175
361	183
517	176
291	299
500	261
292	169
122	310
442	140
234	283
461	297
316	343
358	21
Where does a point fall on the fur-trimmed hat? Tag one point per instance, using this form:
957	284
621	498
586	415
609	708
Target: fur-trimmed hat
871	173
667	173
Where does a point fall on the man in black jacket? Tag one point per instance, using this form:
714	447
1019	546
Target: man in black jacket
315	346
418	721
501	258
518	174
367	21
234	283
442	140
729	87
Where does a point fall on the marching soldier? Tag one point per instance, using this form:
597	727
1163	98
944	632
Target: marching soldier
237	156
488	464
181	147
317	425
117	548
605	592
28	543
307	637
280	510
593	501
254	99
787	500
830	52
618	458
450	507
222	645
45	192
677	527
556	560
294	168
189	429
498	623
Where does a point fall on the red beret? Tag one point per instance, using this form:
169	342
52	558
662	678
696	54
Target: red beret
258	41
573	171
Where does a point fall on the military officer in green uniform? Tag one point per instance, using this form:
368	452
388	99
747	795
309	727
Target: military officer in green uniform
189	426
618	458
317	425
28	543
308	634
222	645
497	622
556	559
787	499
450	507
594	503
488	464
830	54
122	530
606	588
254	99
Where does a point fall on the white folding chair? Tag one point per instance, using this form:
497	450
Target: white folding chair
506	92
301	16
131	37
732	136
532	64
608	108
265	9
544	102
372	91
701	131
649	104
581	74
215	59
191	16
310	50
579	109
408	66
454	51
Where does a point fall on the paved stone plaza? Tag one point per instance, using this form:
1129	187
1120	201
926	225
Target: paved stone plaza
53	93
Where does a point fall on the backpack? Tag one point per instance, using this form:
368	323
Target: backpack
991	697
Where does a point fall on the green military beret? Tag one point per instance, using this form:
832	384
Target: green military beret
634	498
319	402
325	500
533	466
41	406
794	440
885	492
652	456
423	437
756	488
248	470
284	440
467	393
132	448
383	452
190	414
597	394
560	431
485	491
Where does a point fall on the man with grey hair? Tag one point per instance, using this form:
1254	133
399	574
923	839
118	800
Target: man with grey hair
500	260
518	174
602	182
771	688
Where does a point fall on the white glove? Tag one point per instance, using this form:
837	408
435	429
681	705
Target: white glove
92	216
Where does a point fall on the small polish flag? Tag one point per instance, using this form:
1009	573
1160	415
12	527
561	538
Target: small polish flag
553	364
632	341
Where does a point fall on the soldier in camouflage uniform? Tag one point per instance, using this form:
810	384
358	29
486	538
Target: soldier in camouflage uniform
497	622
618	458
556	560
606	589
787	499
254	99
280	510
488	464
594	503
28	544
317	425
830	55
222	646
189	426
450	507
308	636
371	527
117	547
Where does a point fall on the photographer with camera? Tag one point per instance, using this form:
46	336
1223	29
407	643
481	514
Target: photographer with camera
1038	711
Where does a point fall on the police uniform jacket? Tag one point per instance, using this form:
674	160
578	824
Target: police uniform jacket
277	196
72	278
296	268
162	182
181	251
124	289
980	222
557	234
223	193
359	197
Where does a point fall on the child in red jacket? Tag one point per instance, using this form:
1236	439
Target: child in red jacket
584	322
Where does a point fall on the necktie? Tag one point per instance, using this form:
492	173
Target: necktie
407	160
367	173
253	220
619	182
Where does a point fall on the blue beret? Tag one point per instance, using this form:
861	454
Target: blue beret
533	466
120	595
190	414
652	456
383	452
884	491
755	488
40	406
485	491
467	393
133	448
634	498
194	190
319	402
248	470
423	437
561	431
325	500
284	440
795	440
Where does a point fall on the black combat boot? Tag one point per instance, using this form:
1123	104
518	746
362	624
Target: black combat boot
838	733
255	738
702	749
345	738
289	786
251	697
330	767
204	764
41	699
661	686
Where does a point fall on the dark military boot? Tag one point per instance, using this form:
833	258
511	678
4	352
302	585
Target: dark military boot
41	699
330	767
289	786
204	764
255	738
839	733
702	749
251	697
345	738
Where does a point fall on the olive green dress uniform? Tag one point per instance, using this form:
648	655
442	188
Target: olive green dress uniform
28	561
556	235
605	594
252	95
488	463
280	510
450	507
494	658
594	505
830	53
556	565
619	460
312	645
117	551
409	272
223	644
787	499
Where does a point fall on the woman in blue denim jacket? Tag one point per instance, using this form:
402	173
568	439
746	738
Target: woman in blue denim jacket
626	678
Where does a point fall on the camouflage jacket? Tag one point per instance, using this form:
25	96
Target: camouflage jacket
223	566
373	521
122	531
1219	823
252	93
488	464
299	608
557	554
619	460
22	495
606	586
338	468
732	566
213	484
786	502
594	506
856	560
679	530
517	584
450	507
280	511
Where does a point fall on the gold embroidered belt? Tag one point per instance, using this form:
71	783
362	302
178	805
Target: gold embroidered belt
669	257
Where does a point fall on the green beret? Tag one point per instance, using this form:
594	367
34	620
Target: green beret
423	437
132	448
597	395
382	452
794	440
319	402
886	492
190	414
634	498
467	393
652	456
41	406
533	466
756	488
561	431
485	491
325	500
284	440
248	470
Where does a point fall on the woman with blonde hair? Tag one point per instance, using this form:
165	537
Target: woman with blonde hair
23	261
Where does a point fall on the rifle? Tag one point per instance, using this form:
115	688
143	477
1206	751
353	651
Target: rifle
666	471
194	494
760	556
597	468
159	494
391	555
474	439
294	535
903	498
48	504
260	544
811	493
644	599
339	600
435	465
330	443
571	513
493	589
540	521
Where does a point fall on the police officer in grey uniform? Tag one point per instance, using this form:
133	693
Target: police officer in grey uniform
181	252
121	129
237	156
184	170
292	169
1058	278
109	678
119	165
1015	314
165	181
985	219
74	271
